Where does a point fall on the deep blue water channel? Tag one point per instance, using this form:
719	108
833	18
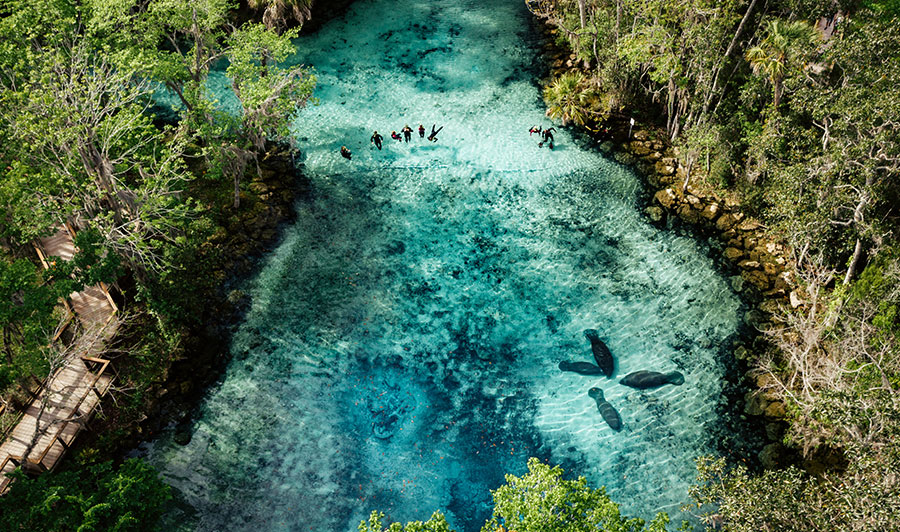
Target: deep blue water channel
401	350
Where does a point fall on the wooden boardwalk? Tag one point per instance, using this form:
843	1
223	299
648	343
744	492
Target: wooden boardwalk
50	423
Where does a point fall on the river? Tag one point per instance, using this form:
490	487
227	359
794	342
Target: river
402	346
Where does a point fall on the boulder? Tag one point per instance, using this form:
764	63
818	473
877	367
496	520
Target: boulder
795	299
638	148
741	353
733	254
694	201
663	167
726	222
754	405
775	409
737	283
666	198
770	269
655	213
748	265
688	214
757	278
710	211
783	281
770	305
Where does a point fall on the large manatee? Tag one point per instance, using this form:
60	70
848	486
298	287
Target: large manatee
582	368
643	380
606	410
601	353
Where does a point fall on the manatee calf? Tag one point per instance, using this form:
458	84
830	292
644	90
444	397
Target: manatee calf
601	353
643	380
606	410
582	368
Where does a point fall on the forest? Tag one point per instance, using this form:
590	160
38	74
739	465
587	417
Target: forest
790	107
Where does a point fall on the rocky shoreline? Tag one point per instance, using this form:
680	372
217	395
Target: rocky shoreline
761	267
244	238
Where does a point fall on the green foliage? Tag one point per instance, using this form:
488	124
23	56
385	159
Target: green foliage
97	498
437	523
542	501
791	499
569	100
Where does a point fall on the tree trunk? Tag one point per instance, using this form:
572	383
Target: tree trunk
725	57
854	261
581	17
778	88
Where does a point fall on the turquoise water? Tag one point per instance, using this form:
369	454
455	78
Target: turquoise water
401	350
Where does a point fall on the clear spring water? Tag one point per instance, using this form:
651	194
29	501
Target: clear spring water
402	347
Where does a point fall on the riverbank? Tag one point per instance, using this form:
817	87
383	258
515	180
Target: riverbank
760	267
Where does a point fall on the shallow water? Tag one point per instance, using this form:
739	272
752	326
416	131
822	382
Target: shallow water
402	347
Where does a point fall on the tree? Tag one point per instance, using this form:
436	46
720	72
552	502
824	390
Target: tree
780	52
541	501
568	100
95	498
269	96
437	523
277	14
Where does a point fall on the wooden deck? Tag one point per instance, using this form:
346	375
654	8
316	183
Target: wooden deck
53	419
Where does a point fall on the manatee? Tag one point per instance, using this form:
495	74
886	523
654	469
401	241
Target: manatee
582	368
606	410
601	353
643	380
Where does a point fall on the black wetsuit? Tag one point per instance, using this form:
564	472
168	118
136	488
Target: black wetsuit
547	135
345	153
395	136
434	132
407	133
421	131
376	138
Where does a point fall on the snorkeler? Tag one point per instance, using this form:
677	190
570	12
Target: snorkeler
533	130
396	136
434	132
345	153
547	135
407	132
376	138
421	131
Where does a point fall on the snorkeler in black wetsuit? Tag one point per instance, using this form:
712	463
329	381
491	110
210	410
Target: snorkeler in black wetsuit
421	131
376	138
547	135
434	132
533	130
345	153
396	136
407	132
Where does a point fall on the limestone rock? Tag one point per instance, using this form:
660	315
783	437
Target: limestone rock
795	299
733	254
654	213
769	305
748	265
770	269
666	198
756	278
663	167
754	405
689	215
775	409
737	283
741	353
638	148
694	201
726	222
710	211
